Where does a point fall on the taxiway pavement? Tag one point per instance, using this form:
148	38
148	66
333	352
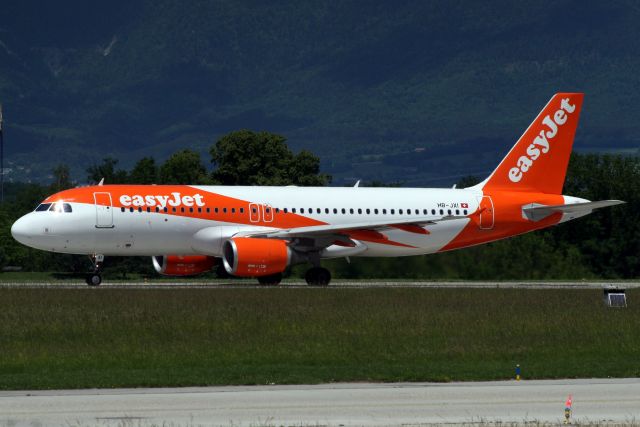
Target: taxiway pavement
337	284
601	401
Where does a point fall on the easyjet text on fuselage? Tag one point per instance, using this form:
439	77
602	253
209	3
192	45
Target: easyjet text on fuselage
162	201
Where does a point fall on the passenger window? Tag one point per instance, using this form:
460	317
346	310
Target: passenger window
182	209
157	209
359	211
121	209
191	210
424	211
131	209
393	211
400	211
233	210
335	211
375	211
344	211
441	212
449	212
199	209
224	210
301	210
293	210
368	211
318	210
277	210
140	209
286	210
384	211
457	212
465	211
433	211
351	211
148	209
165	209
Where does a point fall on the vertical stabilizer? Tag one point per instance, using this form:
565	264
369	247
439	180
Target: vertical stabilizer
538	161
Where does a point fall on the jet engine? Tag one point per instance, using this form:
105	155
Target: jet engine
253	257
183	265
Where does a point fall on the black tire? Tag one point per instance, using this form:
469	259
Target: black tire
94	279
317	276
270	280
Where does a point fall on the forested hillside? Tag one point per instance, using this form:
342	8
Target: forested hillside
411	91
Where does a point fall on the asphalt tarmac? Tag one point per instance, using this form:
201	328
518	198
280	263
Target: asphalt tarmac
245	283
595	401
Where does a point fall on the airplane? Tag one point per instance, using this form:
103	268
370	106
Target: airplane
260	231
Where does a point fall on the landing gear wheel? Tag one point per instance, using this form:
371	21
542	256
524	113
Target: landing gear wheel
317	276
270	280
94	279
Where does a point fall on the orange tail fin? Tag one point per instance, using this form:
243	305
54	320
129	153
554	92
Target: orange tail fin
538	162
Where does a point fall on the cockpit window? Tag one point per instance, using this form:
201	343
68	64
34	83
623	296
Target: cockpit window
60	207
54	207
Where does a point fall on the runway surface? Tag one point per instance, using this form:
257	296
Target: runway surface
338	284
601	401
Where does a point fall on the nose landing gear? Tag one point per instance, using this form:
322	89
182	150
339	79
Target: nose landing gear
94	278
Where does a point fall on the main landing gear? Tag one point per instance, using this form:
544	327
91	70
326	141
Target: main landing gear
270	280
94	278
317	276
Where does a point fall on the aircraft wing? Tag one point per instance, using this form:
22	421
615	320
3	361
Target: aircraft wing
537	212
414	224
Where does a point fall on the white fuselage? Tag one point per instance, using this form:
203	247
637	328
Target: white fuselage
131	230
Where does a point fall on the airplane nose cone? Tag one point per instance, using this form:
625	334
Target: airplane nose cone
21	230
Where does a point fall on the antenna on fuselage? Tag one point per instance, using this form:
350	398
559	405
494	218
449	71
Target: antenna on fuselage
101	182
357	184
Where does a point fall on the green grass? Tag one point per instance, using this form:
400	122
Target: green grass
72	338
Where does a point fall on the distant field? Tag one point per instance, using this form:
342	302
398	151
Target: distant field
107	337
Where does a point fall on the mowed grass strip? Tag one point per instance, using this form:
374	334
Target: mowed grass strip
106	337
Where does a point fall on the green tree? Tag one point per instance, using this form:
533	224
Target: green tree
262	158
61	178
144	172
467	181
184	167
107	171
608	239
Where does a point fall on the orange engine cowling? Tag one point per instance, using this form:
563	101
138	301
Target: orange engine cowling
251	257
183	265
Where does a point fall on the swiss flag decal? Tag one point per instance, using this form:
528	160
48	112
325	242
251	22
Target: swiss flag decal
464	205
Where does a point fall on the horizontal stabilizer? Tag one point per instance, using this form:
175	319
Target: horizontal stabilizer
535	212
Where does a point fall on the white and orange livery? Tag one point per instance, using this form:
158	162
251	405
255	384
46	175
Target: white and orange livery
260	231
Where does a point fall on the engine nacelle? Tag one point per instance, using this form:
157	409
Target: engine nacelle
252	257
183	265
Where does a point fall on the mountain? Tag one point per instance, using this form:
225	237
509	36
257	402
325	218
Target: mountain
412	91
